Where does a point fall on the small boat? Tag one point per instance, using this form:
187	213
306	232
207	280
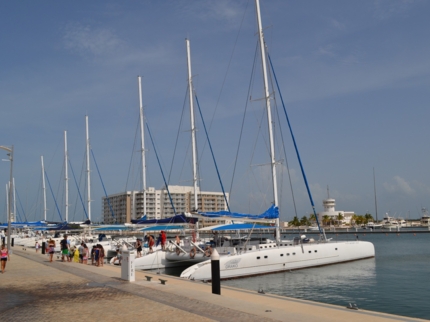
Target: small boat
390	222
373	225
425	218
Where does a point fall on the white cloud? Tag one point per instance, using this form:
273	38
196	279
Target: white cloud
399	185
337	24
326	50
87	40
224	10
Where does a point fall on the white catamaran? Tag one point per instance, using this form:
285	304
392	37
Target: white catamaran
271	257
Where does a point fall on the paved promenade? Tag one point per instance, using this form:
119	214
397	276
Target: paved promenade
33	289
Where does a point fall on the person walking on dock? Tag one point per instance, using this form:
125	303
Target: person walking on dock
51	249
4	257
64	249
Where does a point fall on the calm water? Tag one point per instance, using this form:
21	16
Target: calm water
395	281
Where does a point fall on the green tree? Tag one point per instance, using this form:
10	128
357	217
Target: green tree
326	219
359	220
368	217
339	218
295	222
305	221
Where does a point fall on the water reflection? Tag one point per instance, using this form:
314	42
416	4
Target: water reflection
333	281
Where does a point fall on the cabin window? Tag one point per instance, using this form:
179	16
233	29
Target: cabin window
249	248
315	251
294	253
265	256
288	254
310	251
258	257
335	249
282	255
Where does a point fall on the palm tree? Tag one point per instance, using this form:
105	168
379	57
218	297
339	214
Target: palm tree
354	219
326	219
368	217
359	220
295	222
339	218
304	221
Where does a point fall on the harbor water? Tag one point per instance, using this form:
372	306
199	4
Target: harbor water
396	281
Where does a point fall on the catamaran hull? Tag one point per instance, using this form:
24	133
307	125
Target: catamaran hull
156	260
266	261
184	259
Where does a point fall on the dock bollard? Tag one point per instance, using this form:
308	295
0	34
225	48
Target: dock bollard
43	248
127	265
12	242
215	272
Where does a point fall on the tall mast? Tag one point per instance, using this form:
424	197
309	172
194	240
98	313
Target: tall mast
193	134
66	176
7	197
374	189
269	114
142	140
88	168
14	200
193	128
44	189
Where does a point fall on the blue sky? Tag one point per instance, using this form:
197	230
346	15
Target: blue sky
354	76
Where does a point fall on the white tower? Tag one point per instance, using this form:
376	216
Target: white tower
329	205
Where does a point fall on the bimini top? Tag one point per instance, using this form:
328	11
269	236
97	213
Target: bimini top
269	214
112	227
163	227
178	219
246	226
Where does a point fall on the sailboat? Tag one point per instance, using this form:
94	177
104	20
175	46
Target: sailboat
272	257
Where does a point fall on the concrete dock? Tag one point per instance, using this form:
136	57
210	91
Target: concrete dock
33	289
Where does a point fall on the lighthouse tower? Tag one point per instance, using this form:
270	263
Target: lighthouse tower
329	205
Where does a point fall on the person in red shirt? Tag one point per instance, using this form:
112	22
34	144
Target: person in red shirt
163	240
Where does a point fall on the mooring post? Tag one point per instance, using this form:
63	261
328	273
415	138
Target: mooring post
215	271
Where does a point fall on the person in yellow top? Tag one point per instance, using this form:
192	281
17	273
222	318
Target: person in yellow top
76	256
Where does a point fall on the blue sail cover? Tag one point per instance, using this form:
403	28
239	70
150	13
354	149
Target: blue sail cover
178	219
26	224
271	213
162	227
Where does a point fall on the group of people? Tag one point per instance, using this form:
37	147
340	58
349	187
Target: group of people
150	241
97	255
76	254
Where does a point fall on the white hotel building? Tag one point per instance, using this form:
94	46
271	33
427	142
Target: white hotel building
123	207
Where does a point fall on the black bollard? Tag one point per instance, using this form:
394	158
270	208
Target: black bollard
11	243
215	271
43	248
